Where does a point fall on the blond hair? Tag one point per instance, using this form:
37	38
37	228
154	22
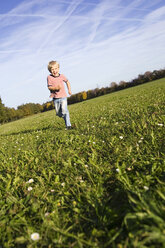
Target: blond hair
51	64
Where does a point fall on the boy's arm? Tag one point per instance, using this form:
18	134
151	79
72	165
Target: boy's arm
54	88
69	88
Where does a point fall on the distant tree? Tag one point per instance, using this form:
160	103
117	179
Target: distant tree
122	83
2	112
141	79
113	85
148	76
89	94
84	95
11	114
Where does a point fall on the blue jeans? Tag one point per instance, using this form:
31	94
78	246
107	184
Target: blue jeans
60	105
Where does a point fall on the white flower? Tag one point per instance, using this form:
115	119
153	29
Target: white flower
117	170
52	190
30	188
35	236
121	137
160	124
80	179
46	214
86	166
31	180
146	188
62	184
94	142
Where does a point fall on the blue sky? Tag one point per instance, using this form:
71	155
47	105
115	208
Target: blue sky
96	42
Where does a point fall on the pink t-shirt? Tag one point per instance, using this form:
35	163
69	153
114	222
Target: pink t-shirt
57	81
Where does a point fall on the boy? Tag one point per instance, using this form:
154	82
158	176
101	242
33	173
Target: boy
55	82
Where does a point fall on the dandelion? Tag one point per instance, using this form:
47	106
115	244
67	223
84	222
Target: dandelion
29	188
31	180
121	137
58	204
35	236
146	188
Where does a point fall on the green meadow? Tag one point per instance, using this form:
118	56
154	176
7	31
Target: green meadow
100	185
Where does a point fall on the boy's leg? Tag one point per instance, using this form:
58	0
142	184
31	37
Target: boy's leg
65	112
57	105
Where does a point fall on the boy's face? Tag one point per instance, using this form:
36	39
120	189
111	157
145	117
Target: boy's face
55	70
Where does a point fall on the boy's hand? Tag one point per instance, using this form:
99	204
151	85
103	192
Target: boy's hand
54	89
70	93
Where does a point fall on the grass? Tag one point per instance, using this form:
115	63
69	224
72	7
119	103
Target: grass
99	185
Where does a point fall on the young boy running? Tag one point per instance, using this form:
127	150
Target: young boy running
55	82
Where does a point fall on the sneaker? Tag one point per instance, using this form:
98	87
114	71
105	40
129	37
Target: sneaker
69	128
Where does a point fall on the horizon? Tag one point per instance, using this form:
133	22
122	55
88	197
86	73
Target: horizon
95	42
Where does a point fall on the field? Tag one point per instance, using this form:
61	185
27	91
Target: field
100	185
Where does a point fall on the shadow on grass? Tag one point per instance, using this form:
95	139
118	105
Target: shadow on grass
102	216
34	130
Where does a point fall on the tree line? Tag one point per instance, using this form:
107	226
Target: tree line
10	114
